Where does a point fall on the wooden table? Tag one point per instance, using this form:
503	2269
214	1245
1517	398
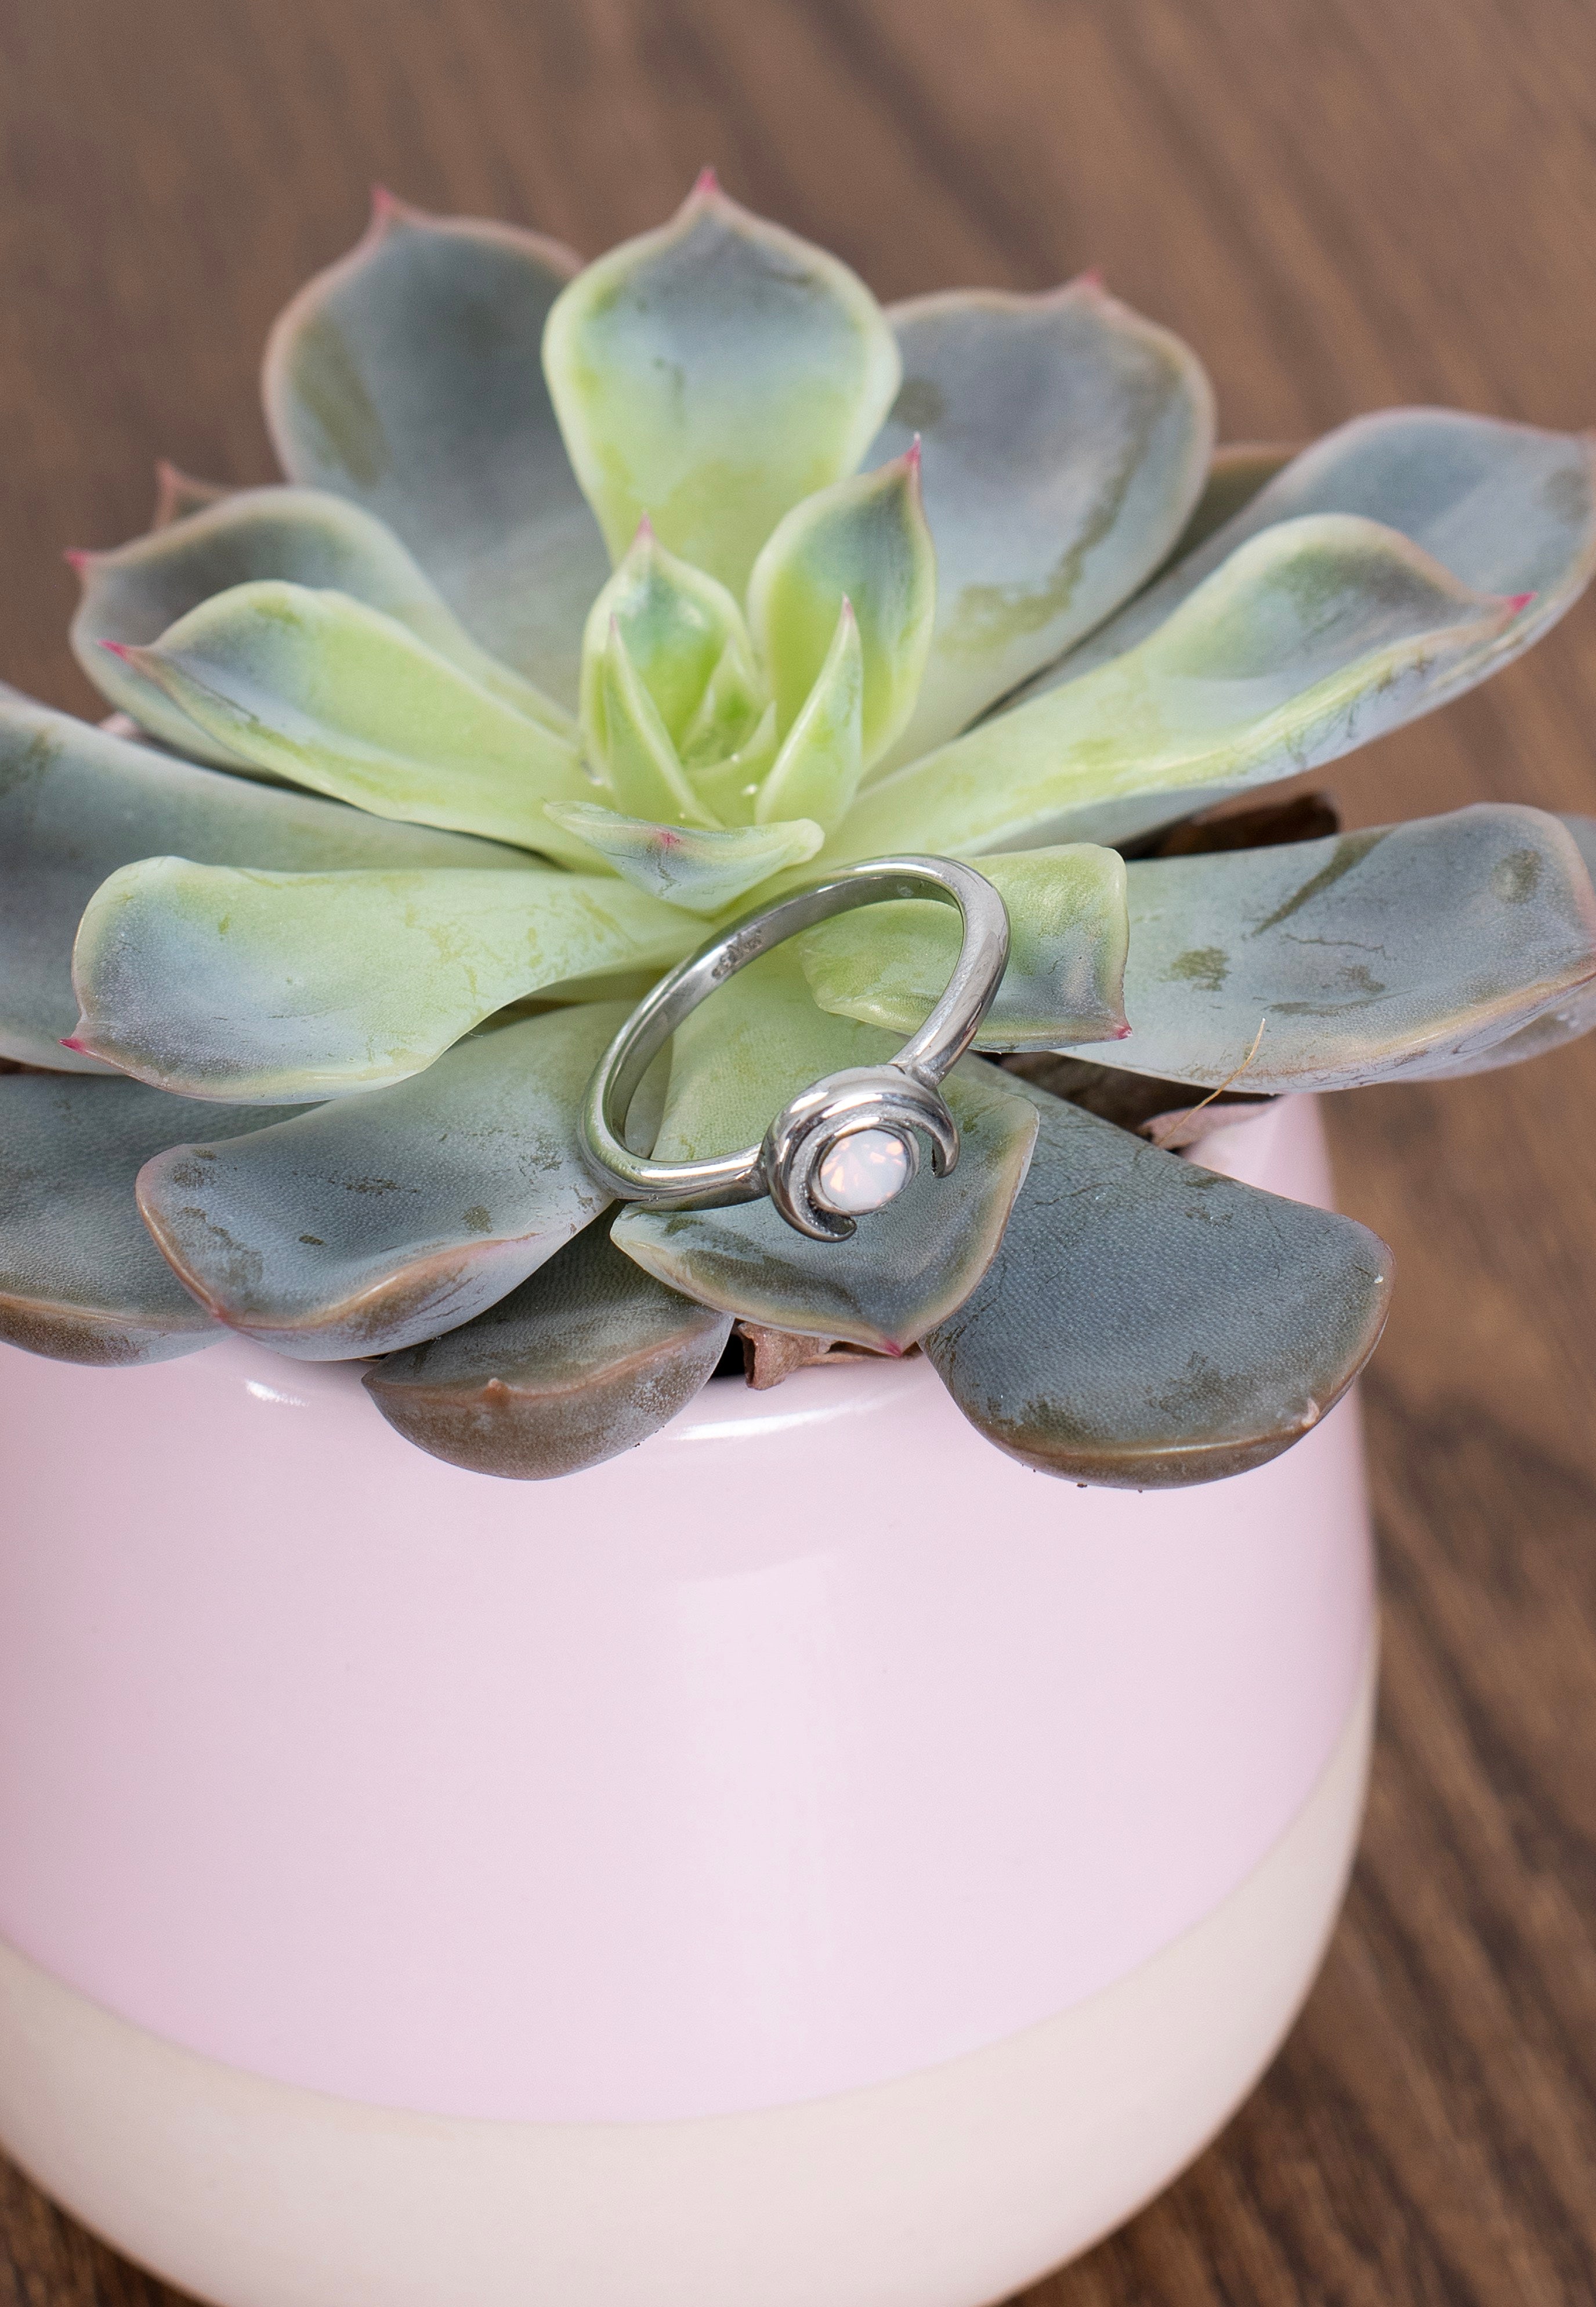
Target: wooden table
1341	203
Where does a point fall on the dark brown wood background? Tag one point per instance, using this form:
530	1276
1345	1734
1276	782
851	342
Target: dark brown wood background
1341	203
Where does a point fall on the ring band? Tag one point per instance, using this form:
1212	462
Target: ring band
849	1142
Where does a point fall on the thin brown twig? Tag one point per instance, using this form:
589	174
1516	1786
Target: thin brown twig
1183	1114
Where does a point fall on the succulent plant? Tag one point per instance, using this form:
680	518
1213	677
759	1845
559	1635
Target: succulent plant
601	603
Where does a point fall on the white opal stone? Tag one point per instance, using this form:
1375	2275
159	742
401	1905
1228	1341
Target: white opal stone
863	1169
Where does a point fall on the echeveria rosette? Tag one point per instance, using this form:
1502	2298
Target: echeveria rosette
599	604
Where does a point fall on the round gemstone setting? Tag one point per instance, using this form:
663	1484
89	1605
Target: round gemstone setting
863	1169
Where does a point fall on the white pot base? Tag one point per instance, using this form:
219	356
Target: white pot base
949	2188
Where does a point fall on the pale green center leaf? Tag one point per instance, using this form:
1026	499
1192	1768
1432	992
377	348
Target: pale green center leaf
866	542
712	374
701	869
685	637
641	769
817	772
304	537
283	987
347	700
1069	930
1312	638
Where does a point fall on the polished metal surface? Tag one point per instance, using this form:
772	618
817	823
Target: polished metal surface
901	1097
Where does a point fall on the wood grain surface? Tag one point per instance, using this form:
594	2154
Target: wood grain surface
1341	203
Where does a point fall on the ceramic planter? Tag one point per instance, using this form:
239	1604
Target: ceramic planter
810	1861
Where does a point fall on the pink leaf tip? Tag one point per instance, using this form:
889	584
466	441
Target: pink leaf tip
707	185
1121	1032
1517	601
70	1042
645	535
118	648
76	558
847	614
385	205
912	456
1092	277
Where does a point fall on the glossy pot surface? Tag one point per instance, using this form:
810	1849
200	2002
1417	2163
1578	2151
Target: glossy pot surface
810	1750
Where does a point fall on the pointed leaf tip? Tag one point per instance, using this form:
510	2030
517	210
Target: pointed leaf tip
1517	601
77	559
1092	277
123	649
706	185
70	1042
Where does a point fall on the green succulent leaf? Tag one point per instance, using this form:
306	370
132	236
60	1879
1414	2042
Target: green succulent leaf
1147	1323
817	772
588	1359
76	803
863	542
133	594
409	378
1238	471
371	1223
712	374
641	767
1567	1021
889	965
1311	638
178	494
736	1062
1508	509
685	637
80	1279
731	788
1385	953
730	713
282	987
1065	442
701	869
343	698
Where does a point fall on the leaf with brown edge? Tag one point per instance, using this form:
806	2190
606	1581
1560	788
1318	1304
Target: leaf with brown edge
371	1223
588	1359
81	1280
1146	1323
1390	953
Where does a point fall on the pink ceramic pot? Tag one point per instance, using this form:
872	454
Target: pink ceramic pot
811	1861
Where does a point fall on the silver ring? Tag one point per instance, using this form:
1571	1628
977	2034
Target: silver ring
849	1143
